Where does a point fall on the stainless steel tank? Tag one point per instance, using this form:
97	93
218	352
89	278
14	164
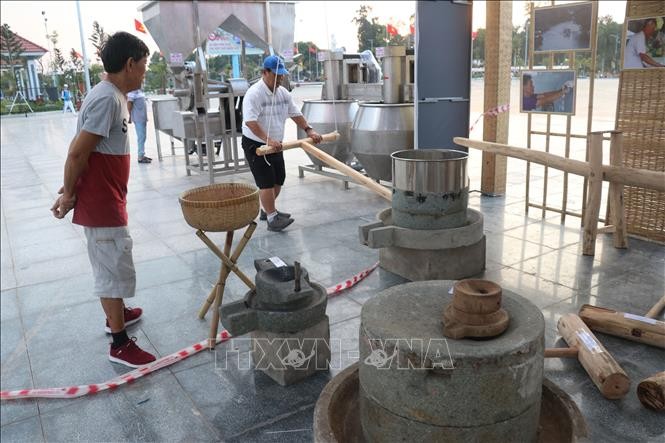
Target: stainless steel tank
321	115
430	188
378	130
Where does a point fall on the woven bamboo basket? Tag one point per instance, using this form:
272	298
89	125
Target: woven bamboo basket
221	207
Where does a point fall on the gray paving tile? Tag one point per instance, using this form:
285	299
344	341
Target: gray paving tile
234	400
294	427
29	429
52	270
153	408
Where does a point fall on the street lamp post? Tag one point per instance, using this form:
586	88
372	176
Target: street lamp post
50	51
616	51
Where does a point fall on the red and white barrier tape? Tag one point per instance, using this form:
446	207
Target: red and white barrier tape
492	112
339	287
129	377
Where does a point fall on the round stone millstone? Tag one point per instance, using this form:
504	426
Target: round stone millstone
435	381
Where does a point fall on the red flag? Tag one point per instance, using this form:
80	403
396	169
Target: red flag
78	55
139	26
312	50
390	29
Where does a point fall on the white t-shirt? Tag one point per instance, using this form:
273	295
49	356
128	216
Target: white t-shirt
636	45
258	106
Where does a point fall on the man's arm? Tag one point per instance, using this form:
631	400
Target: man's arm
302	124
77	162
130	105
260	133
646	58
548	97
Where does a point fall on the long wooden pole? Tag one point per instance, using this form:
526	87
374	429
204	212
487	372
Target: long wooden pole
642	178
265	149
616	194
655	310
601	367
347	170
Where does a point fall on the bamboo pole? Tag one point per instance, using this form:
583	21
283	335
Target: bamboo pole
601	367
595	193
227	261
655	310
348	171
651	392
265	149
219	293
616	193
620	324
642	178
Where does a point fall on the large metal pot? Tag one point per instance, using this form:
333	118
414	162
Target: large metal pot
325	116
379	130
430	188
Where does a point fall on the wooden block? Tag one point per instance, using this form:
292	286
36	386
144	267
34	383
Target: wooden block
651	392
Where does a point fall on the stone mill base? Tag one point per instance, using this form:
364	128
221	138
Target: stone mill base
289	358
337	414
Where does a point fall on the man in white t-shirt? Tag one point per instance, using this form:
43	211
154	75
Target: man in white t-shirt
635	54
265	108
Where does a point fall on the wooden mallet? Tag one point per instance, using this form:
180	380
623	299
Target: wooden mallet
651	392
601	367
648	331
659	306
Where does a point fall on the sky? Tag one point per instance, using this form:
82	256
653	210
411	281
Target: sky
326	23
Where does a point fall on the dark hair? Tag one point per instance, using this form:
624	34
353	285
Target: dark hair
526	78
650	19
119	48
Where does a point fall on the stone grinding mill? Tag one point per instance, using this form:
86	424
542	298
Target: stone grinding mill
429	233
415	383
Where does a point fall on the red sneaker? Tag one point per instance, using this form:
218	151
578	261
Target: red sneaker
132	315
131	355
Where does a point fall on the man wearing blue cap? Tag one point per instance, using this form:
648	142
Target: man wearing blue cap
265	108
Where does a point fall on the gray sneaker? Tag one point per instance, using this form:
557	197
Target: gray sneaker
264	216
279	222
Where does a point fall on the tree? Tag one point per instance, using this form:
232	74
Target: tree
98	38
155	78
608	48
479	47
307	61
75	68
11	50
371	34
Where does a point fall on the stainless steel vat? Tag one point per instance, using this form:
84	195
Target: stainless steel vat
430	188
379	130
321	115
185	126
163	107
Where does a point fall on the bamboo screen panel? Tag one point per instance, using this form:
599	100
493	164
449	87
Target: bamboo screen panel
641	117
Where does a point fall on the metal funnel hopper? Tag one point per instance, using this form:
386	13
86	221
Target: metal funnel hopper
172	26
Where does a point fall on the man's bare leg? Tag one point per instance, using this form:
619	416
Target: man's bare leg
267	197
114	309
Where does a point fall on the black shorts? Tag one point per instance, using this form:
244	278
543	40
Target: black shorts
265	175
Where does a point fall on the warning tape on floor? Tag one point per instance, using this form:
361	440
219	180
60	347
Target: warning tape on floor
129	377
492	113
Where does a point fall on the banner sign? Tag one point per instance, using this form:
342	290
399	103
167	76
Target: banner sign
221	42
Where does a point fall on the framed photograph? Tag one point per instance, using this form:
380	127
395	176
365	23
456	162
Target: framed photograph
548	91
644	47
563	27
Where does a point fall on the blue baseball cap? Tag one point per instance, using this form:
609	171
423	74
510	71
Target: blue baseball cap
275	64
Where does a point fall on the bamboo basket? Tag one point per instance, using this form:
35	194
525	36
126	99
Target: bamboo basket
221	207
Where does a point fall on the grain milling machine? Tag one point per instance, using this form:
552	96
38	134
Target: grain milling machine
199	111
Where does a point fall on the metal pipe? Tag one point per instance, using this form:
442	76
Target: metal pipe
86	70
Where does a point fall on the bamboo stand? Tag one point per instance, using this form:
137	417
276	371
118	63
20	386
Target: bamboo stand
228	265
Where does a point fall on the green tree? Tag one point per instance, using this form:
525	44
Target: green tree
97	38
157	74
75	69
371	33
519	42
95	73
479	47
11	50
307	60
608	48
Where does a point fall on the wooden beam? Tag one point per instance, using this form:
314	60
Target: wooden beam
594	194
642	178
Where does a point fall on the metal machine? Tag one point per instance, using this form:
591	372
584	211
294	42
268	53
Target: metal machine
198	111
381	99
